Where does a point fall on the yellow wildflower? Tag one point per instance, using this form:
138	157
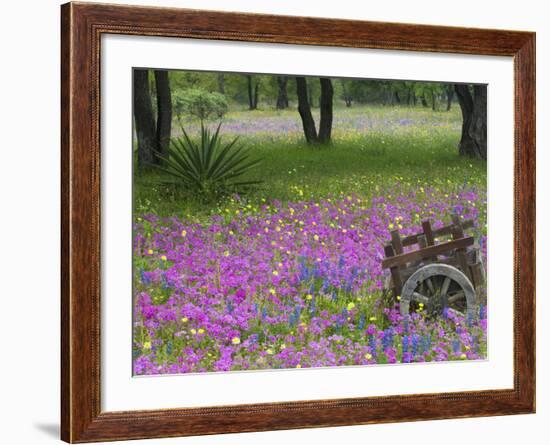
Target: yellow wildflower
235	340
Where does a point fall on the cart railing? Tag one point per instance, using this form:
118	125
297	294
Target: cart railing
427	252
457	252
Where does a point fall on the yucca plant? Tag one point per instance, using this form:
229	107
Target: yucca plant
207	166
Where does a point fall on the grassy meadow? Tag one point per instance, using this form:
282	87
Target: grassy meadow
373	148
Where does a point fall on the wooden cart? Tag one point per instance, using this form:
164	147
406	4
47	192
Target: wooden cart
436	276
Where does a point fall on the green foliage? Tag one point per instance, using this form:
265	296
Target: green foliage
184	80
207	167
199	103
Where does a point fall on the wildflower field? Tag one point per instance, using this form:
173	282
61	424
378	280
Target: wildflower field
289	275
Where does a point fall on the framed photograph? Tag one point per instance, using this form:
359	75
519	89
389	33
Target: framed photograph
275	222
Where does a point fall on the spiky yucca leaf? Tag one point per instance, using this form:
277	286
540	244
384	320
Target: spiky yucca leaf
207	166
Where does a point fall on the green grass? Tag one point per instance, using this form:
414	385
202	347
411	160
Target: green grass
365	162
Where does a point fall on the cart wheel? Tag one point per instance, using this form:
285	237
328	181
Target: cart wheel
436	287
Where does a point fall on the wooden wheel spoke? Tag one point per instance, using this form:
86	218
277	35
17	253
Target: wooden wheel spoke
430	285
456	297
419	298
445	287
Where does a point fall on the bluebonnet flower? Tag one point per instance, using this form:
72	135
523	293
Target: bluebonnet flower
361	324
456	345
372	344
291	320
427	342
387	339
482	312
414	344
469	319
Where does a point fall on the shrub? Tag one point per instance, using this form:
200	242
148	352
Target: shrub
207	166
199	103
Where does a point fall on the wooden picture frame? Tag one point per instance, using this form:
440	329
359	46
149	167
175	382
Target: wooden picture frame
82	26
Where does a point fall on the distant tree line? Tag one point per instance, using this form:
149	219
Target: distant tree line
161	95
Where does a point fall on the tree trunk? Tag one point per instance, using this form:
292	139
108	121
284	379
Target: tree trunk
144	119
221	83
347	97
473	141
256	89
304	109
433	101
423	100
282	96
325	124
250	92
450	95
164	111
396	97
310	96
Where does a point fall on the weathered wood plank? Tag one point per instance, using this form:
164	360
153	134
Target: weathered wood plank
427	252
395	274
428	232
476	273
396	242
461	253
